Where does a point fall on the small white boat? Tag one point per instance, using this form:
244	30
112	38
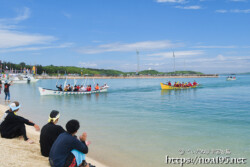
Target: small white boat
30	79
231	79
44	91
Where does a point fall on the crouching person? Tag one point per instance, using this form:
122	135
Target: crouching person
13	125
50	132
67	150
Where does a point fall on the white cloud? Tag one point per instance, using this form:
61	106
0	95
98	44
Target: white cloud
233	11
128	47
10	39
20	49
87	64
189	7
178	54
171	1
240	11
67	15
217	47
221	11
221	57
24	14
238	0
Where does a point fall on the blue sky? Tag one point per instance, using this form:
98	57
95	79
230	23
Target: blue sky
211	36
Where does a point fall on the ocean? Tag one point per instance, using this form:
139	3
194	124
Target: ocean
137	124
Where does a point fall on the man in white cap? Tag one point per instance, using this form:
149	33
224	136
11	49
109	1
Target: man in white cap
13	126
50	132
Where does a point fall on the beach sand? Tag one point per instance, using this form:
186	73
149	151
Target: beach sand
18	153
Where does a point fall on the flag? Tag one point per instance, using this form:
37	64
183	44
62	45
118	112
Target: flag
34	69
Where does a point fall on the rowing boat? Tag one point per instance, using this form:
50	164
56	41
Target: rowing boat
231	79
44	91
167	87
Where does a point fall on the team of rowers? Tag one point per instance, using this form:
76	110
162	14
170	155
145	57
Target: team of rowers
182	85
79	88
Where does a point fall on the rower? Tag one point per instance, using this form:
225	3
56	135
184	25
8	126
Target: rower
169	83
194	83
97	87
59	88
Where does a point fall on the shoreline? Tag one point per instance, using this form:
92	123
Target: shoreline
127	77
18	153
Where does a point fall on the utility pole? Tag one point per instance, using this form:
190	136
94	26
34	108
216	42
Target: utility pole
174	61
184	64
138	62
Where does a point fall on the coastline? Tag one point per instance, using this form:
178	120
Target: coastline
128	77
18	153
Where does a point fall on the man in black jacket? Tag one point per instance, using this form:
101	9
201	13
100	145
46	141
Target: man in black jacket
67	142
13	126
50	132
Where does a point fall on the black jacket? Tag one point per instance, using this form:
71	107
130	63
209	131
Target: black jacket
10	122
49	134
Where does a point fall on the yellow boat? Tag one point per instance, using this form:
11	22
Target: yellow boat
167	87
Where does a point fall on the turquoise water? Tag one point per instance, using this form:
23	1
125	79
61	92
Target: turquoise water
138	124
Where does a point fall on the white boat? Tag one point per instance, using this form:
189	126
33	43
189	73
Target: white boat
231	78
18	78
29	78
44	91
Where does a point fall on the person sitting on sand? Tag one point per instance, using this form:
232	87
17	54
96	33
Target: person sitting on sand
67	150
13	125
50	132
59	88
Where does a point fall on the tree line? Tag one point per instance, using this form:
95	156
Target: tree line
55	70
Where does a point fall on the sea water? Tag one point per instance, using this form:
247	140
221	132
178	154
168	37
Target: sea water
137	124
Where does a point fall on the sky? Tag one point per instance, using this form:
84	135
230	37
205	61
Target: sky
210	36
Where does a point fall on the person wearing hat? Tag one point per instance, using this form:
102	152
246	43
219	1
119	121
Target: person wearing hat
13	125
50	132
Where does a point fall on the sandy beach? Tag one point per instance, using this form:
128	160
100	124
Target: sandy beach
18	153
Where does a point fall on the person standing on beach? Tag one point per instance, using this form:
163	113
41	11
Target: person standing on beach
7	90
1	85
50	132
67	150
12	125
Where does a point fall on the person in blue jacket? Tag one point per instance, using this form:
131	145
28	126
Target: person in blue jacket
67	150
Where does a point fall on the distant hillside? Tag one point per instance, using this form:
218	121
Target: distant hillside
55	70
185	72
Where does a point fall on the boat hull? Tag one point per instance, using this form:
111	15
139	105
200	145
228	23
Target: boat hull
44	92
167	87
231	79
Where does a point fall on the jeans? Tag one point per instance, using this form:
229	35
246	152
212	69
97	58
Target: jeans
7	94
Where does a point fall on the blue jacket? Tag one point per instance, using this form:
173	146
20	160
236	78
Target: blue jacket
62	147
